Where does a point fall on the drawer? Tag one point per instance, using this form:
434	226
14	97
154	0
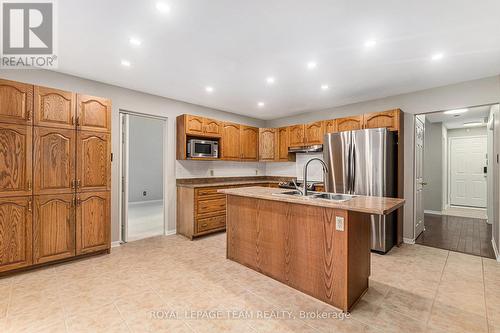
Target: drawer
209	223
200	192
211	205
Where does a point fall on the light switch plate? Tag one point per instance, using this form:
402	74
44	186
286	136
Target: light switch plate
339	223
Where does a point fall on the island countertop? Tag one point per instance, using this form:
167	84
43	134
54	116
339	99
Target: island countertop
362	204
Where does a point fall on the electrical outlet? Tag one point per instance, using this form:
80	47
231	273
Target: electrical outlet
212	172
144	193
256	172
339	223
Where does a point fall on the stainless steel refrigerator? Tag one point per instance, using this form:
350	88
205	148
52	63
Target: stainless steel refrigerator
364	163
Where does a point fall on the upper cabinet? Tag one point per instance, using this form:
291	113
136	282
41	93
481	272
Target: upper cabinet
201	126
349	123
93	114
283	143
249	143
267	144
230	141
296	135
330	126
16	102
386	119
54	108
314	133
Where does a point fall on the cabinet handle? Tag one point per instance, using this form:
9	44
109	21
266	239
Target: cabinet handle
77	120
30	206
78	184
72	120
73	184
29	185
204	225
78	201
28	115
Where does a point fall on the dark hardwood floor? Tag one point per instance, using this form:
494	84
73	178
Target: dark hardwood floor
461	234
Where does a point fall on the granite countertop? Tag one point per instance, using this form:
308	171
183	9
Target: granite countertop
363	204
227	181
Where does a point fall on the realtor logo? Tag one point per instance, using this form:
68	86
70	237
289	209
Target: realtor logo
28	31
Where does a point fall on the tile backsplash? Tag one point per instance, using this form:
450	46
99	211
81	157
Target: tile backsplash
195	169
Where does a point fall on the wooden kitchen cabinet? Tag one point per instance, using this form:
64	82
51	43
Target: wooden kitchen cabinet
283	144
296	135
53	228
330	126
386	119
349	123
93	161
93	114
201	126
16	102
314	133
15	160
92	222
54	160
267	144
249	143
15	233
54	108
230	141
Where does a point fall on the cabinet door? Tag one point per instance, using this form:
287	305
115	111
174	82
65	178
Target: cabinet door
194	125
330	126
231	141
211	127
283	144
387	119
350	123
15	233
249	143
296	135
93	164
16	102
93	113
54	108
54	160
267	144
15	160
92	222
53	228
314	133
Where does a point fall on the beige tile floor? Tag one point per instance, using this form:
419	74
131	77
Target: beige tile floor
139	287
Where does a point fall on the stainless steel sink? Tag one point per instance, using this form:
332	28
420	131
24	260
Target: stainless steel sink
334	196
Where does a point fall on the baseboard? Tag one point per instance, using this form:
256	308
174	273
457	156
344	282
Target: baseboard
468	207
434	212
495	249
170	232
408	240
116	244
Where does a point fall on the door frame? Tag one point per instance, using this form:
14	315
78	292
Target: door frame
414	180
124	167
448	172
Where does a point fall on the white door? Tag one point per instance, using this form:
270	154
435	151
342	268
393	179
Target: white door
419	175
467	177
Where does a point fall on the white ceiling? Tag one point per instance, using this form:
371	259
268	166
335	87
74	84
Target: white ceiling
234	45
451	121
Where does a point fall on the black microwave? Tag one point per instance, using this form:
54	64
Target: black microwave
203	148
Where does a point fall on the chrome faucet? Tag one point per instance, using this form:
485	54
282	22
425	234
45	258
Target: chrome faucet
325	171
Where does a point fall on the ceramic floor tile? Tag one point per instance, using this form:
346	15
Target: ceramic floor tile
106	319
452	319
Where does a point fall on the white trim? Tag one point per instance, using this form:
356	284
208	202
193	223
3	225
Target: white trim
495	249
170	232
468	207
116	244
408	240
434	212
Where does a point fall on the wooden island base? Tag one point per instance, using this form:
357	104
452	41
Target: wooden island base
302	246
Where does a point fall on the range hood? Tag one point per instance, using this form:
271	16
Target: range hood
306	149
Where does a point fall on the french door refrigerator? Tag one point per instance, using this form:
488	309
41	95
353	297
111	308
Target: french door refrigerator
363	162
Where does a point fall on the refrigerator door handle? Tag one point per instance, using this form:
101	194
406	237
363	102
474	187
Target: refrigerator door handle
353	180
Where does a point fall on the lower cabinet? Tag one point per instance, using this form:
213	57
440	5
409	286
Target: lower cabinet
92	222
15	233
53	227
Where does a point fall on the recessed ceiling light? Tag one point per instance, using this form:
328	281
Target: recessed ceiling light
135	41
437	56
473	124
324	87
261	104
126	63
457	111
162	7
370	43
312	65
270	80
209	89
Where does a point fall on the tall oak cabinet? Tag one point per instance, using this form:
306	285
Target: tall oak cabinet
55	172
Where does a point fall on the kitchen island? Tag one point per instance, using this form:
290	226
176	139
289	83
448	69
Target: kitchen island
320	247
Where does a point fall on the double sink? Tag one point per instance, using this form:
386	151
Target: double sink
320	195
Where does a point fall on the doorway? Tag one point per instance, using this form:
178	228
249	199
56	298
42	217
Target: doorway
452	180
142	172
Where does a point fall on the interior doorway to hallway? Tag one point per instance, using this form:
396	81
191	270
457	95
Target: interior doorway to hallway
455	167
143	207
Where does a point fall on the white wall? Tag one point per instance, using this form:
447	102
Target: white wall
145	159
433	168
465	94
295	169
130	100
462	132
